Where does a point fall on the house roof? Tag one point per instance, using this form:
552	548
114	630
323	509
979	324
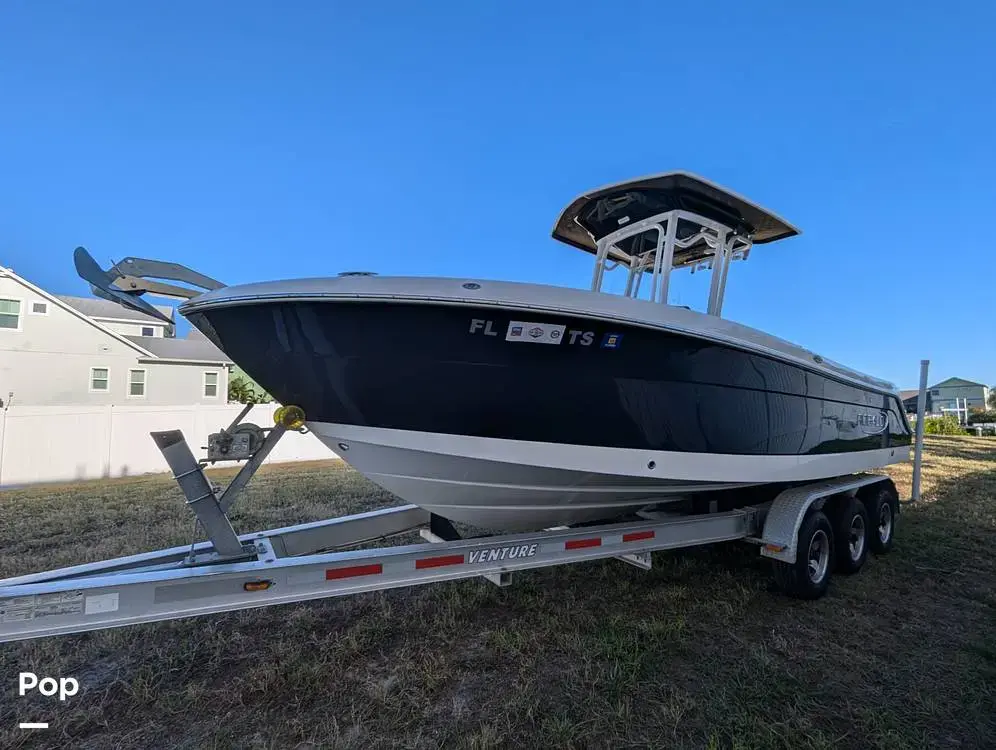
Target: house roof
8	272
102	308
957	381
191	349
196	348
903	395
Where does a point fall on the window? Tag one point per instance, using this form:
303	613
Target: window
935	393
10	314
147	331
210	385
136	383
39	308
100	379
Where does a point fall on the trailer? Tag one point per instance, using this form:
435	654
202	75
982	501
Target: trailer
809	531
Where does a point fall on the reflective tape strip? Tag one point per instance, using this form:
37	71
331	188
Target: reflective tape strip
438	562
582	543
333	574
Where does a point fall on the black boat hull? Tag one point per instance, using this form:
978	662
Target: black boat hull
518	420
458	370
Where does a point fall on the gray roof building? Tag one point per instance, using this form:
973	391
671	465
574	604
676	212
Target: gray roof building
66	350
102	308
190	349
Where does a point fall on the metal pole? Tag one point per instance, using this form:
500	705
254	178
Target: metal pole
720	257
249	468
921	406
726	271
664	260
600	257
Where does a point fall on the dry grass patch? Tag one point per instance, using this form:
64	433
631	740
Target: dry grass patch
701	652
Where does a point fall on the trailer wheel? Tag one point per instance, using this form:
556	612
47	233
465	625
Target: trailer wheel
851	533
882	504
809	576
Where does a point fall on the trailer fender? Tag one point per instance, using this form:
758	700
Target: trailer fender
780	537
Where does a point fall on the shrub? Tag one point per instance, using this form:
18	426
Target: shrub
240	391
946	425
979	416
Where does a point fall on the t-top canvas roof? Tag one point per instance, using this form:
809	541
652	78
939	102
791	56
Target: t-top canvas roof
600	212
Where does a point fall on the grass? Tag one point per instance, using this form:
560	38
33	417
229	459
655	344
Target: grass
699	653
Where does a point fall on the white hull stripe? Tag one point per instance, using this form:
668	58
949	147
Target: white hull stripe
624	462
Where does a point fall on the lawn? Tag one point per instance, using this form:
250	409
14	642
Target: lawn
699	653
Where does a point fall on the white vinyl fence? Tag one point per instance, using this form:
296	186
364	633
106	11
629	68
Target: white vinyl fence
64	443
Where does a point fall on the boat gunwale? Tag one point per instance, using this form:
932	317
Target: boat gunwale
819	368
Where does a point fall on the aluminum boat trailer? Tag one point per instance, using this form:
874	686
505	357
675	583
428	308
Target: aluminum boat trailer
807	530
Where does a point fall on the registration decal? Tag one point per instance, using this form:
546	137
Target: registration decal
611	340
534	333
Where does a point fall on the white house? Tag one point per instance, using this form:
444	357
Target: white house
956	393
74	350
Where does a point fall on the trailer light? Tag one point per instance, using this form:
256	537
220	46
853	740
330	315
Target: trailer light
257	585
291	417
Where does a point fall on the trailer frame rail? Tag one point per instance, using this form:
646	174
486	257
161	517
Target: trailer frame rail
320	559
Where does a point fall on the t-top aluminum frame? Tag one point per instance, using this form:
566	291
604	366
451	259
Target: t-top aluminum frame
725	243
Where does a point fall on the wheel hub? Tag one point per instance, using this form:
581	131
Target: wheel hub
856	537
884	522
819	556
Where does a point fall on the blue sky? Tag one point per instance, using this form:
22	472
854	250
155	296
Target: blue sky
259	140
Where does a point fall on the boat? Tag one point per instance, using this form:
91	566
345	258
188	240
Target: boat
518	406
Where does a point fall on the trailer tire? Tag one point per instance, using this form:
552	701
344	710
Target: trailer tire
882	503
851	531
809	576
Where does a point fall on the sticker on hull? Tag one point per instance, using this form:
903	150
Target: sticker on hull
611	340
534	333
541	333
